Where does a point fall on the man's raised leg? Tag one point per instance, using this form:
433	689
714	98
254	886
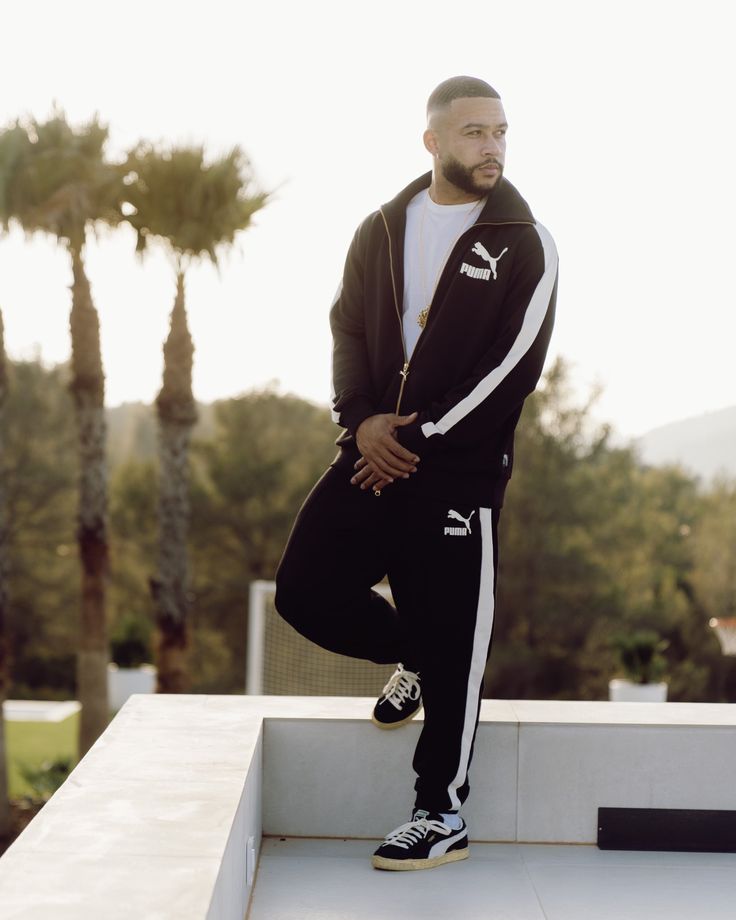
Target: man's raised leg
335	554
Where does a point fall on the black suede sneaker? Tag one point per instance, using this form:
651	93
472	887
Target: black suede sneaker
422	843
400	701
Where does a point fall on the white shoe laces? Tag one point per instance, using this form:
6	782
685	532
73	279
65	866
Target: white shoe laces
402	685
412	832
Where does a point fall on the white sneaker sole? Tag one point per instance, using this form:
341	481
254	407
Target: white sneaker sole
389	725
404	865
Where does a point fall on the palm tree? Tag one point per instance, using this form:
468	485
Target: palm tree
195	209
61	185
12	144
4	663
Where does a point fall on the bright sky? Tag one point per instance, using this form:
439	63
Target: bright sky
621	139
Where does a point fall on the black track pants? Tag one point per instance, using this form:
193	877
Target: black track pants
441	560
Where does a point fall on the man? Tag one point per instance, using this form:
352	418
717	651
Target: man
440	329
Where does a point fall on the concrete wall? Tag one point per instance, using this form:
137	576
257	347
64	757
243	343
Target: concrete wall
163	817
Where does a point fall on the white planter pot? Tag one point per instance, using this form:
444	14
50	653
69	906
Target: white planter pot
121	682
626	691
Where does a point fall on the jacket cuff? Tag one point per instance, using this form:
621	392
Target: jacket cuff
355	413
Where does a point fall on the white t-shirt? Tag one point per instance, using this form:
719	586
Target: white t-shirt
439	226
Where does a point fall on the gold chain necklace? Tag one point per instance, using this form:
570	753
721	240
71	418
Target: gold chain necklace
424	314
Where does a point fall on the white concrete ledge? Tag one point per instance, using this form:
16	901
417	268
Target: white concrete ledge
39	710
158	819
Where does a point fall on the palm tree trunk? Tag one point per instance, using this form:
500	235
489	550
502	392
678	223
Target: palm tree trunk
4	569
177	414
88	389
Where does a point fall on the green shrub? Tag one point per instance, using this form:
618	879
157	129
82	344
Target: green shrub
130	644
45	779
640	654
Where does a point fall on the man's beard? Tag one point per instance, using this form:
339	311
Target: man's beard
462	176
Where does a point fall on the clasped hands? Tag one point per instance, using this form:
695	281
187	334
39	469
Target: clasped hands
382	458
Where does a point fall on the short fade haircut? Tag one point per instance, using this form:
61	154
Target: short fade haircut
459	88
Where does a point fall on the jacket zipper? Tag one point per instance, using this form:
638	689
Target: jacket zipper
404	372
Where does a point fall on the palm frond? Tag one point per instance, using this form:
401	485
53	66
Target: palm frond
14	145
196	207
61	181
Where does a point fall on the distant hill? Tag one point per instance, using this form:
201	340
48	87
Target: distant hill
705	444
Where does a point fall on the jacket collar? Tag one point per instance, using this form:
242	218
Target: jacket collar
504	205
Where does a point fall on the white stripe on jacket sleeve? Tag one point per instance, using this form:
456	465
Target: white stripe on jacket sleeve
533	319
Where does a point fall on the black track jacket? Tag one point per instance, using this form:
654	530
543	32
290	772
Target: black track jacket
479	356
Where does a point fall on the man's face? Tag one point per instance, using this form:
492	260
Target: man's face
469	140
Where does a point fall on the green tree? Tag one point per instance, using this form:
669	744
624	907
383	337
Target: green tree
37	477
654	564
551	582
40	469
196	209
592	544
714	574
61	185
715	552
133	525
12	145
250	479
4	600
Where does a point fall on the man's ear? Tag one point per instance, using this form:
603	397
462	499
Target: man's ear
430	142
